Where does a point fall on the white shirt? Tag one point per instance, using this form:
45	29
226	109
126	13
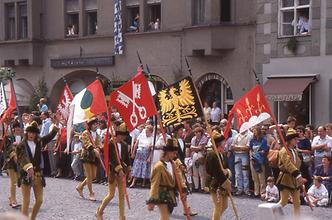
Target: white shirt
18	139
119	149
144	141
272	191
207	112
94	135
181	143
215	114
169	168
78	146
318	141
320	192
32	146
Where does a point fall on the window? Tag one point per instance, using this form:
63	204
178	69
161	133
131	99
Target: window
133	18
72	18
23	21
10	21
91	16
199	11
294	17
154	7
225	10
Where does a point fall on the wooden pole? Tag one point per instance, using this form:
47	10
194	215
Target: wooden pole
209	130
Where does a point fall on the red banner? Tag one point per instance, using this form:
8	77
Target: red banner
250	110
64	103
134	101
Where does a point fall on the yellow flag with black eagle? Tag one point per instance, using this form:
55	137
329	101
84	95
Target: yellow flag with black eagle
179	102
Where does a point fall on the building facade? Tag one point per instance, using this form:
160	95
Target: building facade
73	40
293	56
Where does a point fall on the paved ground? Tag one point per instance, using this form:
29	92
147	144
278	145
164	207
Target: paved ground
61	201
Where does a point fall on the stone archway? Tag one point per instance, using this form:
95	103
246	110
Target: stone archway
213	87
76	80
23	90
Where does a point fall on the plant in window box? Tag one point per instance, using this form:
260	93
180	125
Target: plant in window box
6	73
292	45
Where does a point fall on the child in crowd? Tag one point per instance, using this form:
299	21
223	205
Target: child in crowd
272	192
317	193
76	164
189	164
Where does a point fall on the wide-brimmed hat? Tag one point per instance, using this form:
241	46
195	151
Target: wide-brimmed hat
171	145
291	134
33	127
121	129
76	134
91	121
217	137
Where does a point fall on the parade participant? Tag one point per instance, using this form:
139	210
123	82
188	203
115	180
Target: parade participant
218	182
163	181
90	157
31	164
290	178
11	161
117	170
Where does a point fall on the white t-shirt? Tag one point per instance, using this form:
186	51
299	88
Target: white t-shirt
18	139
272	192
320	192
207	112
78	146
215	114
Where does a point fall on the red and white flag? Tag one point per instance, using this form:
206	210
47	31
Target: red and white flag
11	105
250	110
64	103
3	102
134	101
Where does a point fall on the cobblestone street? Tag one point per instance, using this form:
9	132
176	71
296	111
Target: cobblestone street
62	202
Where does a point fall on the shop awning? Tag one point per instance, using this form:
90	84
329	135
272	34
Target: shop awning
286	88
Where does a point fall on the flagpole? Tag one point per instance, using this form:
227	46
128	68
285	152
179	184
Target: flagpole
209	130
184	202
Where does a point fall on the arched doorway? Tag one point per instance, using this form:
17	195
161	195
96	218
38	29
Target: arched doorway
76	81
23	90
213	87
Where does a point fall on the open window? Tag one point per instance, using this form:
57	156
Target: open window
72	18
90	8
294	17
154	9
225	10
132	18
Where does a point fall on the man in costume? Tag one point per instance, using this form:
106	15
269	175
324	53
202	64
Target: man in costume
117	170
163	181
218	180
90	156
290	179
11	161
31	164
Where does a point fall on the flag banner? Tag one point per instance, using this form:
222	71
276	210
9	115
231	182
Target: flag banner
250	110
11	106
89	102
3	102
86	104
179	102
118	38
64	103
134	101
